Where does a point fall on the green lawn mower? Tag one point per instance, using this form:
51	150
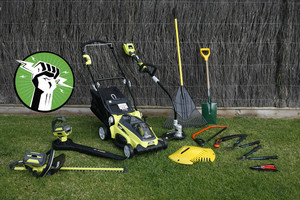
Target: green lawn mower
122	122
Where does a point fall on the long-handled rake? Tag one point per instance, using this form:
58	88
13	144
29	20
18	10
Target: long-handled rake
188	115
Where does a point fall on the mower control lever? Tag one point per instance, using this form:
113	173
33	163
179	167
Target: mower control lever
91	42
88	59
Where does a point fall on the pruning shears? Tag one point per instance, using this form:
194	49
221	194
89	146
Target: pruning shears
245	157
269	167
229	137
244	145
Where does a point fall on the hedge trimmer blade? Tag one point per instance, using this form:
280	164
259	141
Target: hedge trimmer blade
99	169
57	165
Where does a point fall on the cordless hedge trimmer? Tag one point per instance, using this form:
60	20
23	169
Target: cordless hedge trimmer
41	164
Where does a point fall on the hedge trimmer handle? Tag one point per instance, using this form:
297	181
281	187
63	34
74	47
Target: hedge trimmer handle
60	119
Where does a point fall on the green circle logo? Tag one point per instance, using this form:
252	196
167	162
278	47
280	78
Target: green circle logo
44	81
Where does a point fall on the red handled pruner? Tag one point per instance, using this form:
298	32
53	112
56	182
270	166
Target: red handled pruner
270	167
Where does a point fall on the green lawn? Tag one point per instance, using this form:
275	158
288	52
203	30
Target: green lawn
153	175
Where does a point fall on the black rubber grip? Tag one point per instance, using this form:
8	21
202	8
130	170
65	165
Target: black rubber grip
253	150
70	145
200	141
174	13
263	158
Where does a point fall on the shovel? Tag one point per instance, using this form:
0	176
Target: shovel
209	109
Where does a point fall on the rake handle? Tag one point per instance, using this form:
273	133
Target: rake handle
178	47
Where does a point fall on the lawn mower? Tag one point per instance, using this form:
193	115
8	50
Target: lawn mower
122	122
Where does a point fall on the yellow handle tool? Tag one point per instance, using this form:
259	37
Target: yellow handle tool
178	48
205	52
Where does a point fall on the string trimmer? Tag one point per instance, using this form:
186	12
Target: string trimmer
41	164
176	132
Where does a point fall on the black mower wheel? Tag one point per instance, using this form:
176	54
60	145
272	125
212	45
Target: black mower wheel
104	133
128	151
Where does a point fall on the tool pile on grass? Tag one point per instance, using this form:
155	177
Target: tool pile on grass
237	145
189	155
125	125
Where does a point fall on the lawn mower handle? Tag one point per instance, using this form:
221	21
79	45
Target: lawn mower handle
83	45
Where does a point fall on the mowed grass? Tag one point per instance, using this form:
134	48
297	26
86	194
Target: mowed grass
153	175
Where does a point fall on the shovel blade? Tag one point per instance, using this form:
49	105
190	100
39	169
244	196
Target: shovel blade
209	112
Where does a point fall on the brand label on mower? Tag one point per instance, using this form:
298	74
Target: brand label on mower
123	106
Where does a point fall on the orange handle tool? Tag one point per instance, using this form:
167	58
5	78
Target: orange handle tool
200	141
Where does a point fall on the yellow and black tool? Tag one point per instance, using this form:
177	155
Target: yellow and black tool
177	131
209	109
64	143
185	106
41	164
189	155
62	132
